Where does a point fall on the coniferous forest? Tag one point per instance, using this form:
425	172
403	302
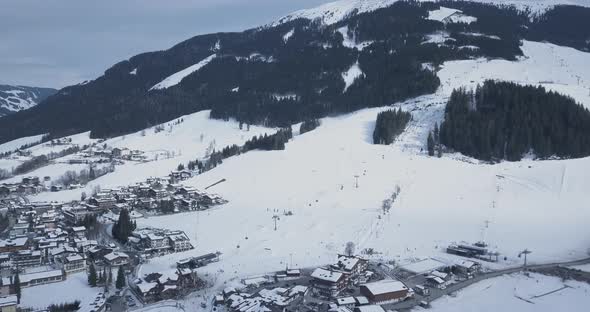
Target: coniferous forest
503	120
389	125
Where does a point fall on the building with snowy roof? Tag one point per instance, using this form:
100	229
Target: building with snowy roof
385	291
328	283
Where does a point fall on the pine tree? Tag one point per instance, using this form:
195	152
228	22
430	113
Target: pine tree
17	286
436	134
430	144
120	282
123	228
92	278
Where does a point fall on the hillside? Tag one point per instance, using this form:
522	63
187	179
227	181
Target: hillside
16	98
333	67
314	178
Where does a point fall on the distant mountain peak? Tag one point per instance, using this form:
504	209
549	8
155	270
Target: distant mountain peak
333	12
17	98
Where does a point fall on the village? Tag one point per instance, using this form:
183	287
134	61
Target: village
351	283
47	242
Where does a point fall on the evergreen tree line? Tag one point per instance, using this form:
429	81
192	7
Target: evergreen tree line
123	227
265	142
309	125
65	307
504	120
42	160
389	125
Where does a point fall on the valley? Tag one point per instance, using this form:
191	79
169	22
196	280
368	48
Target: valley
313	204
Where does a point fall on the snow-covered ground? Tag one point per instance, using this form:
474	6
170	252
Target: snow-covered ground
53	171
79	139
176	78
351	75
524	204
518	292
450	15
561	69
17	143
333	12
350	42
75	287
181	142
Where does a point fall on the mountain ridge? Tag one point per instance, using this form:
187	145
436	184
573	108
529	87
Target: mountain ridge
16	98
259	77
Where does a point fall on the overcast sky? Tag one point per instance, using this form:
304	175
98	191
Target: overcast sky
55	43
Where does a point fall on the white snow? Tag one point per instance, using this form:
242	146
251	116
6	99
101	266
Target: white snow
518	292
17	143
75	287
475	34
556	68
349	76
441	14
334	12
79	139
439	37
133	72
188	140
288	35
54	170
350	42
448	15
328	211
176	78
536	6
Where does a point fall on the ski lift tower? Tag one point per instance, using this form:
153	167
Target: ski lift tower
525	253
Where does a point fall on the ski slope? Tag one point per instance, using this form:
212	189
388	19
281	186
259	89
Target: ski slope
511	205
176	78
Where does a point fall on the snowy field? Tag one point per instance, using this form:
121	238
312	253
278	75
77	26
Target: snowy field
451	199
53	171
75	287
518	292
80	139
187	140
15	144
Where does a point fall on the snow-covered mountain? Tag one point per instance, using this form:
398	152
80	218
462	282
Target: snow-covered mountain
247	75
333	12
17	98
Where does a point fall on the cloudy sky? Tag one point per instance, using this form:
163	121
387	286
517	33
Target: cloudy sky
54	43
